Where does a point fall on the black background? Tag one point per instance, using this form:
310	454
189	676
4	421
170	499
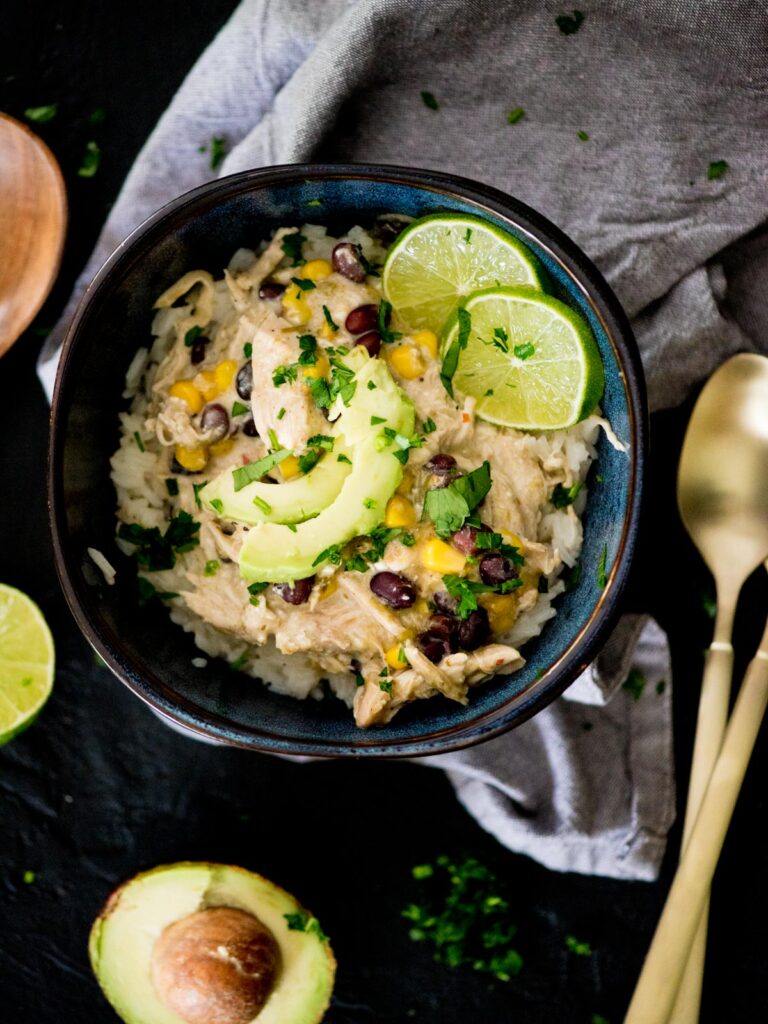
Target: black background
100	789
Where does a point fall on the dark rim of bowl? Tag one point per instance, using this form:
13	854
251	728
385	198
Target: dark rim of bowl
583	647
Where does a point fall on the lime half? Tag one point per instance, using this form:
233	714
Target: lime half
26	661
530	361
438	261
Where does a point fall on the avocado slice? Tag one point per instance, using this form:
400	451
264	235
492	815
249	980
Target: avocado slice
147	948
276	553
289	502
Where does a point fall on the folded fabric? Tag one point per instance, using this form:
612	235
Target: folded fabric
635	144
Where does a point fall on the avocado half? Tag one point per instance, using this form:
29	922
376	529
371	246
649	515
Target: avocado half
185	936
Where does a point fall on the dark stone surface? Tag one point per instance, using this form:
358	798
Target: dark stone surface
100	789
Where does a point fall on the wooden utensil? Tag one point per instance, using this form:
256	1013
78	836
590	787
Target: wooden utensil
723	502
688	896
33	220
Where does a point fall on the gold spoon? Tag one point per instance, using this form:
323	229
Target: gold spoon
723	501
33	221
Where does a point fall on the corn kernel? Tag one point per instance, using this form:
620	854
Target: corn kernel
502	610
192	459
224	374
399	512
222	447
406	483
205	382
421	606
437	556
187	391
395	657
513	539
289	467
428	339
321	368
325	331
295	306
407	361
316	270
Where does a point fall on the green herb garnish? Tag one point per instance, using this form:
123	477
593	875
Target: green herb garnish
429	426
291	246
239	662
323	441
382	323
41	115
465	592
307	350
309	459
218	151
370	503
372	385
284	375
429	100
172	486
146	591
217	504
524	351
303	283
717	169
448	507
91	160
98	116
515	115
329	319
212	567
256	470
563	496
314	202
451	358
634	684
344	458
192	335
257	588
602	578
196	488
265	507
330	554
569	24
582	136
139	442
238	408
573	945
375	420
248	350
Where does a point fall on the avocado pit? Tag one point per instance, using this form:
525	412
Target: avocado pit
215	966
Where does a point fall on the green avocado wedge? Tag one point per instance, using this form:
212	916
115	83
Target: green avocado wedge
373	429
123	945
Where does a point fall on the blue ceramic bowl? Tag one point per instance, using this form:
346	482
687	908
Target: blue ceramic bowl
143	647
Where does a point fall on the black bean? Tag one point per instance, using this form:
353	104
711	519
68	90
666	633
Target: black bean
443	601
296	594
393	589
197	355
474	630
388	227
244	380
371	342
346	261
214	419
445	628
432	647
249	428
441	464
495	569
362	319
271	290
465	540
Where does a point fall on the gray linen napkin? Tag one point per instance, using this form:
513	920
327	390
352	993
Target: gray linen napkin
622	121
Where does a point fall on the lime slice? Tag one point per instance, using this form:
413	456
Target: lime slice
26	661
530	361
441	259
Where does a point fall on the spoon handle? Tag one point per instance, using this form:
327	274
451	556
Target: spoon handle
710	726
665	963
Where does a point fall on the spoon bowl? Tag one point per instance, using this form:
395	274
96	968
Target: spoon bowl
33	220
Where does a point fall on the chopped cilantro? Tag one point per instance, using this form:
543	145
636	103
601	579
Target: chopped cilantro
248	350
448	507
218	151
265	507
323	441
375	420
139	442
598	1018
403	444
429	100
196	488
330	554
489	541
717	169
383	317
280	413
256	470
257	588
239	662
573	945
212	567
320	390
308	350
238	408
41	115
463	915
377	539
309	459
385	685
344	458
661	686
192	335
372	385
343	381
28	877
301	921
303	284
172	486
524	351
98	116
273	440
284	375
429	426
709	604
407	539
370	503
359	681
468	236
451	358
329	319
146	591
602	577
582	136
563	496
91	160
465	592
217	504
515	115
569	24
156	551
314	202
573	578
634	684
291	246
